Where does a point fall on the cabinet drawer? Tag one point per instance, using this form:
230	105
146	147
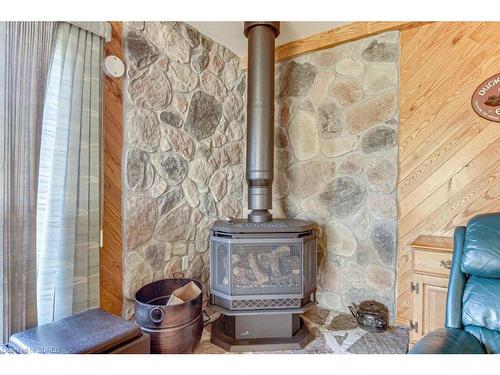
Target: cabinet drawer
432	262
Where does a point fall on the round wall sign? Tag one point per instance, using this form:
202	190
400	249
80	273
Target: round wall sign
486	99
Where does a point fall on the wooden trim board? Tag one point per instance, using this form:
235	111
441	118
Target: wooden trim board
110	256
331	38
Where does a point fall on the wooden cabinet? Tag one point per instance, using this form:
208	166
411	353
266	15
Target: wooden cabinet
431	269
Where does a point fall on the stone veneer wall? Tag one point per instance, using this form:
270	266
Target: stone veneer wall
336	163
183	149
335	157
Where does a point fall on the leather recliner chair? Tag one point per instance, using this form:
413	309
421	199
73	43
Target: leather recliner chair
472	323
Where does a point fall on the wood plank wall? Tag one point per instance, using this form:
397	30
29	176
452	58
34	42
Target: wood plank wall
110	258
449	158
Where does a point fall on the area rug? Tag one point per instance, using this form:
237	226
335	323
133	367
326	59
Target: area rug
335	333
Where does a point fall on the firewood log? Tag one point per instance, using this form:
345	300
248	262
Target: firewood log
260	277
239	272
235	259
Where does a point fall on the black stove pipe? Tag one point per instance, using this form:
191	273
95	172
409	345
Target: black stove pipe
260	118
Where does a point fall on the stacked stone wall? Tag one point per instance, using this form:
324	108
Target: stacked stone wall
183	151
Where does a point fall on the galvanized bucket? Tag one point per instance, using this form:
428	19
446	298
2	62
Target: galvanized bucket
175	328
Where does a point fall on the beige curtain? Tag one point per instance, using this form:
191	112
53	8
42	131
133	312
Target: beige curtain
25	51
68	212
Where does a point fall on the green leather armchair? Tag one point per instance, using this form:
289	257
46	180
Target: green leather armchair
472	323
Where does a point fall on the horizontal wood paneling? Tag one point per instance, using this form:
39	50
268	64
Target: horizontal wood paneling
111	273
449	158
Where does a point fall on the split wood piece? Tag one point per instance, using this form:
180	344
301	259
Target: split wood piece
184	294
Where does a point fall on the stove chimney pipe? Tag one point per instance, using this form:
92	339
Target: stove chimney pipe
260	118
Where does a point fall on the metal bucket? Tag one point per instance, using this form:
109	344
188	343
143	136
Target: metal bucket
173	329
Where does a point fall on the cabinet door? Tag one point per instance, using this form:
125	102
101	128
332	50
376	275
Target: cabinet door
429	304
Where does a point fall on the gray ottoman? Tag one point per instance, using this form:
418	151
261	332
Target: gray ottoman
92	331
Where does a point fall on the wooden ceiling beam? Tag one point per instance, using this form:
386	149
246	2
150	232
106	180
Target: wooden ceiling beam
331	38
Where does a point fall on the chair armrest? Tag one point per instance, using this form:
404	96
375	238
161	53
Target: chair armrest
448	341
456	283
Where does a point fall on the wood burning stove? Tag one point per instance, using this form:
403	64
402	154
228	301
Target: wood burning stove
262	277
263	270
262	266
